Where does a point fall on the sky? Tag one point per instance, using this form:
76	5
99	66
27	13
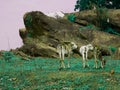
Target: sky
11	17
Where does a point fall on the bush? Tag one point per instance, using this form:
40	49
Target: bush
7	55
71	17
113	49
101	19
102	16
28	20
111	31
30	33
89	26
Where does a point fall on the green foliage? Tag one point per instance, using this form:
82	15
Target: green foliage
7	55
28	21
43	74
90	4
30	33
89	26
101	18
101	88
113	49
112	31
101	12
115	4
82	5
71	17
86	87
28	24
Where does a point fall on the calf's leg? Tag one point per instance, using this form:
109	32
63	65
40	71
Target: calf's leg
96	62
62	60
69	60
87	59
83	60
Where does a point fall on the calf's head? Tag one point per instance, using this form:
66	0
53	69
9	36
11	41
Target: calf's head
73	45
90	46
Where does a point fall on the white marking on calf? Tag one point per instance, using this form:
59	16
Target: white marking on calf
84	52
65	48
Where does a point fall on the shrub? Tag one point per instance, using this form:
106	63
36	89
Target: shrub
102	16
112	31
71	17
28	20
113	49
89	26
101	19
7	55
30	33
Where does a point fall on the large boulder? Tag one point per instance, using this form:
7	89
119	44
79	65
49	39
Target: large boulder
42	34
45	33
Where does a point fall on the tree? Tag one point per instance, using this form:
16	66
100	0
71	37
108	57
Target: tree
90	4
116	4
82	5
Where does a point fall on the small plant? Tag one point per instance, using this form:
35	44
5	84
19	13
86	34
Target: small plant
77	81
86	87
101	88
113	49
112	31
7	55
28	20
30	32
102	21
89	26
102	16
71	17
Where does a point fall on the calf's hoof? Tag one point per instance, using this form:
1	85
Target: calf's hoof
88	65
68	66
61	68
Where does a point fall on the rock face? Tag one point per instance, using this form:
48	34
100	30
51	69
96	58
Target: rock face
42	34
89	17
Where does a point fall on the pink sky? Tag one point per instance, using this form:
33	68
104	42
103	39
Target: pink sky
11	17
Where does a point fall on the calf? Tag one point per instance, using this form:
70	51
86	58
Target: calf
98	57
84	52
65	48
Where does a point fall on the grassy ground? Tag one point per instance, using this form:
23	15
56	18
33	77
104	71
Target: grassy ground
43	74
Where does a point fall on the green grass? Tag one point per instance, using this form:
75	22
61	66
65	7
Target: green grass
43	74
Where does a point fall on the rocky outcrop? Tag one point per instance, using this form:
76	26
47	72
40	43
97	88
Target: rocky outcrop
89	17
42	34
